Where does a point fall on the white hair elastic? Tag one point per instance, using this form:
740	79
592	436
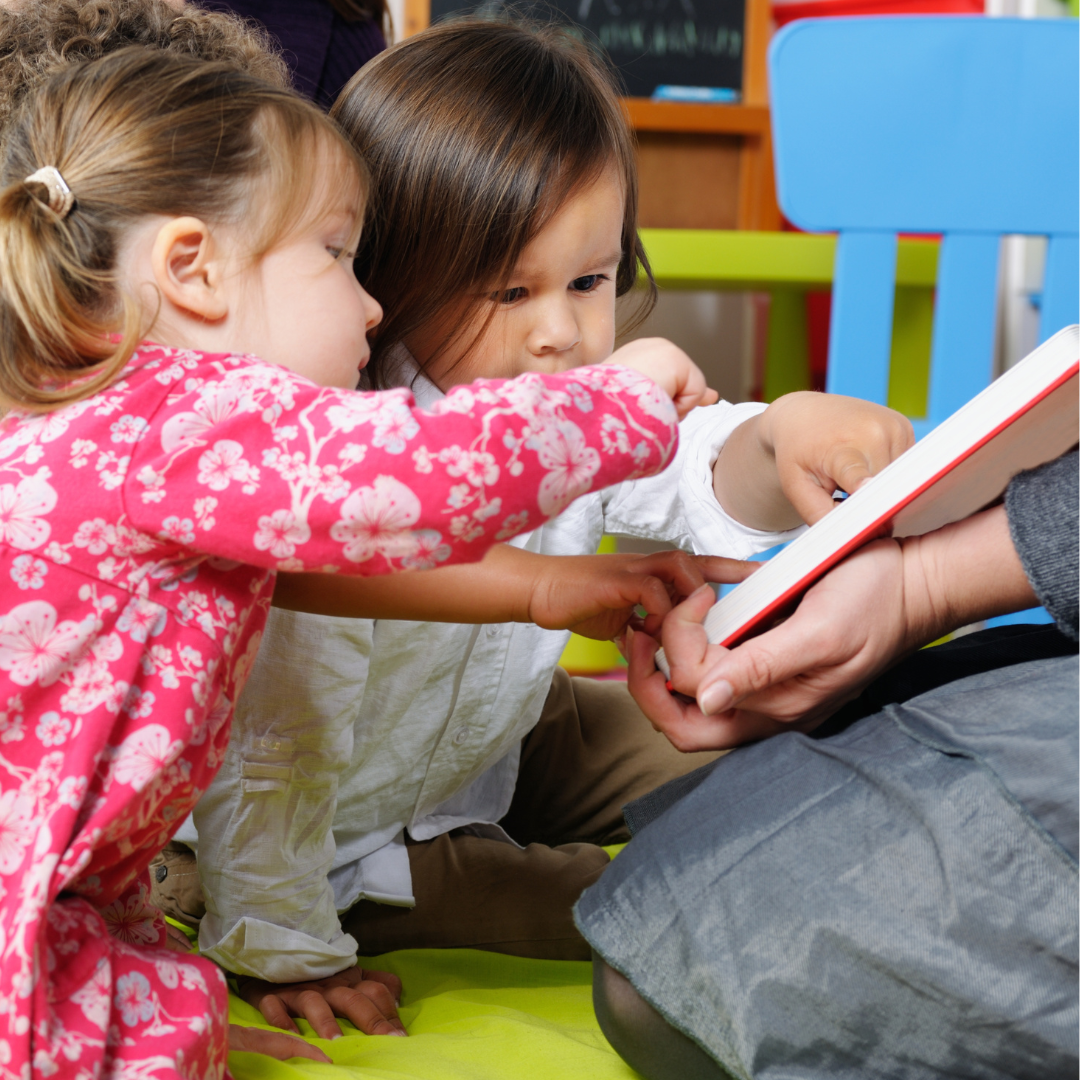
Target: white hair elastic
61	197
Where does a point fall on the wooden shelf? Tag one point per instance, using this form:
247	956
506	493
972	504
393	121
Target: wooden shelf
647	115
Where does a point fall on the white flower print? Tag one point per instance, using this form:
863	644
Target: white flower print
280	532
92	684
139	704
394	426
180	530
142	619
33	648
93	996
144	754
354	453
28	572
476	467
572	464
430	551
22	510
512	525
422	459
81	451
16	829
112	469
53	729
133	998
378	520
217	402
96	536
72	790
56	553
349	414
128	429
224	463
613	435
11	720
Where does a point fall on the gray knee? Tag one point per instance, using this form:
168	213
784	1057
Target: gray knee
642	1037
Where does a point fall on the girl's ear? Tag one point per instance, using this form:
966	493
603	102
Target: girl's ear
188	269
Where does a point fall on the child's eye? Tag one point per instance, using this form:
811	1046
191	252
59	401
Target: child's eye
511	296
337	253
588	282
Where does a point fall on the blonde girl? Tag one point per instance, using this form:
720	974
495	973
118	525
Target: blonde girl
179	330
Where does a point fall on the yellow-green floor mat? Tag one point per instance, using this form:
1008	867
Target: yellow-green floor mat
470	1015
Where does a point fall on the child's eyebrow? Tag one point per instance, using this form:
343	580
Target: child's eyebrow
605	260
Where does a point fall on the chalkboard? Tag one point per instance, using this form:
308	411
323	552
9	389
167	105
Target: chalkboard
651	42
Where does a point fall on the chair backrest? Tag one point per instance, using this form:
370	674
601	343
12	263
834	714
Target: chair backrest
964	126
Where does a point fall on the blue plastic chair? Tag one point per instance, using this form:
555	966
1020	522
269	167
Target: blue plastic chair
966	127
963	126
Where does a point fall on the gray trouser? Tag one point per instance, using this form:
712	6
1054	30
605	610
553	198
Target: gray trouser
896	900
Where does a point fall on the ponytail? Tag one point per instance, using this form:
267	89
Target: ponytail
48	292
133	135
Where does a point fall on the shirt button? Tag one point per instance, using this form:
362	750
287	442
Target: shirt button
492	631
460	735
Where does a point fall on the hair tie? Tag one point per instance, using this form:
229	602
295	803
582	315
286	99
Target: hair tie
61	197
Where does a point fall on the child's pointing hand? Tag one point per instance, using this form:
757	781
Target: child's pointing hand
670	368
780	468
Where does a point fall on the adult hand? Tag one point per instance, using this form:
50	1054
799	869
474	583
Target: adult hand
848	628
364	997
878	605
691	656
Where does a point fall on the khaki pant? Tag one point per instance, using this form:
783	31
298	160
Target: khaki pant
592	751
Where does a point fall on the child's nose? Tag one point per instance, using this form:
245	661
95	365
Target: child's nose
373	311
555	329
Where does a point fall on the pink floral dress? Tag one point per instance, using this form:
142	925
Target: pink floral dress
140	531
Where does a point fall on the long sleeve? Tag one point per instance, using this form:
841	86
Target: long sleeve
1042	506
255	464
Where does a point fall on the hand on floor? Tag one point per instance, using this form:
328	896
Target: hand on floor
366	998
272	1043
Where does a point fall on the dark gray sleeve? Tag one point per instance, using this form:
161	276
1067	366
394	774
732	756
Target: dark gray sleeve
1043	521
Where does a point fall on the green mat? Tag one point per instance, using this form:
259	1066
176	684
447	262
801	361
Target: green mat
470	1015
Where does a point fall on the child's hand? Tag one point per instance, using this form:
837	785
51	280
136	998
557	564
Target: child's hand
366	998
822	442
595	595
781	468
670	368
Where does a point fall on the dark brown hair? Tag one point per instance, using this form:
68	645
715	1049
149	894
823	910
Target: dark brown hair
38	37
135	134
475	133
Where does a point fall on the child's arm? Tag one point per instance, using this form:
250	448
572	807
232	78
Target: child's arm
594	595
781	467
254	464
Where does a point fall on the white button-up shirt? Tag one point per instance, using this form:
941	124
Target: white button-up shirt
351	731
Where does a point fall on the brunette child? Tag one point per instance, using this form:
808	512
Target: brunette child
471	782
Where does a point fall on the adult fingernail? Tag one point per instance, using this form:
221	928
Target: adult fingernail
716	697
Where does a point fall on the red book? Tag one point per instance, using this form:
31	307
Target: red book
1025	418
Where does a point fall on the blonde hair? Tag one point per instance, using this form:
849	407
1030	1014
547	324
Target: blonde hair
137	134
